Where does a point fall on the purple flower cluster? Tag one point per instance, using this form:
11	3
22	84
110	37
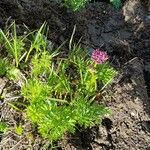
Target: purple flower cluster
99	56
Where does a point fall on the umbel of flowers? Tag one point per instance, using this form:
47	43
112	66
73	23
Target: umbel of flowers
99	56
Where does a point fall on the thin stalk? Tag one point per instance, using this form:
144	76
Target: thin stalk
8	42
15	46
71	39
35	41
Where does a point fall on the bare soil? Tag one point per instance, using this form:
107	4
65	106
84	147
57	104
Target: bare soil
125	35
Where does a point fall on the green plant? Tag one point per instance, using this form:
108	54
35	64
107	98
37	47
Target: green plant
56	103
54	121
13	73
39	42
41	63
35	90
60	79
14	44
19	130
3	127
105	73
86	80
75	5
116	3
10	71
60	91
3	66
87	114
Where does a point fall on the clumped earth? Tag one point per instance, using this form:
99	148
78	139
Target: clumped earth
125	35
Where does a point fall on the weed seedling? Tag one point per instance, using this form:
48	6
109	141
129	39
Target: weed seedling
19	130
3	127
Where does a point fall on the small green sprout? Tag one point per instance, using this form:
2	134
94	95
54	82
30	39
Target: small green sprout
19	130
3	127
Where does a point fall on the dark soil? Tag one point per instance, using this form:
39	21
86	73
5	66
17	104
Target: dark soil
125	35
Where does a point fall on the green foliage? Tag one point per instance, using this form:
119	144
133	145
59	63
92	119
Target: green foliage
19	130
39	42
3	67
75	5
53	121
56	103
10	71
87	114
14	44
87	79
59	90
116	3
89	74
3	127
105	73
42	63
60	79
13	73
35	90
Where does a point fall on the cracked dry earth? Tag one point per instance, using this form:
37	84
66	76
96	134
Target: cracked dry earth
125	35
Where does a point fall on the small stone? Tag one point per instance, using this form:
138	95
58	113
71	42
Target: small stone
147	19
132	114
2	84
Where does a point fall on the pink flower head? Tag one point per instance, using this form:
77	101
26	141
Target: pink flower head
99	56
